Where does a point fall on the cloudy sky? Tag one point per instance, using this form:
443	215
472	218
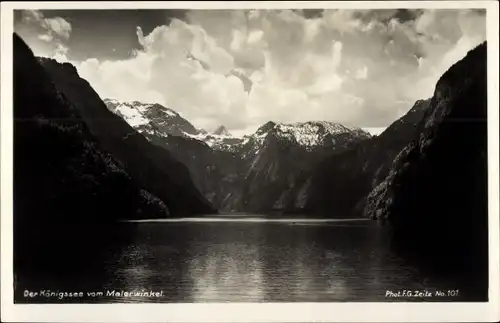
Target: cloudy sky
243	68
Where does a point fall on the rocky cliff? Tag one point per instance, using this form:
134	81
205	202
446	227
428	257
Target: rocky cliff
279	160
435	195
340	184
69	188
66	186
155	168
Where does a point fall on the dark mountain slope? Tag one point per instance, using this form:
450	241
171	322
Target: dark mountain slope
435	195
66	186
221	130
152	166
215	173
342	181
212	170
279	159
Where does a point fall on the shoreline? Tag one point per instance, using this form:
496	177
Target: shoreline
246	219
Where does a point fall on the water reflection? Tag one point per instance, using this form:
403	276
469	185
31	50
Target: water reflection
263	262
224	274
257	262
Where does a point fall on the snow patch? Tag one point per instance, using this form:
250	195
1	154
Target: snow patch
133	116
170	113
309	134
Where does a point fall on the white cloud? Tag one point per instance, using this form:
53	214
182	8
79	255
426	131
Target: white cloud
362	73
363	68
56	27
53	32
60	53
45	37
124	80
32	16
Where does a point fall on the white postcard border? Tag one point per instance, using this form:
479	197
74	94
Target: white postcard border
246	312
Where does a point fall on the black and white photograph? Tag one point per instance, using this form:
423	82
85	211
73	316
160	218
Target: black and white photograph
250	155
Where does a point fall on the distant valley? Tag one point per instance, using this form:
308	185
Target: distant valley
281	168
267	171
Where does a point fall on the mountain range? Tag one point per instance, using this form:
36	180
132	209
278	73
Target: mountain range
260	172
82	162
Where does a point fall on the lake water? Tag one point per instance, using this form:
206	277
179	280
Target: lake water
252	259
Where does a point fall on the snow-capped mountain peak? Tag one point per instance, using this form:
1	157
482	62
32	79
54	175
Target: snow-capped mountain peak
222	131
155	120
307	134
136	112
151	118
